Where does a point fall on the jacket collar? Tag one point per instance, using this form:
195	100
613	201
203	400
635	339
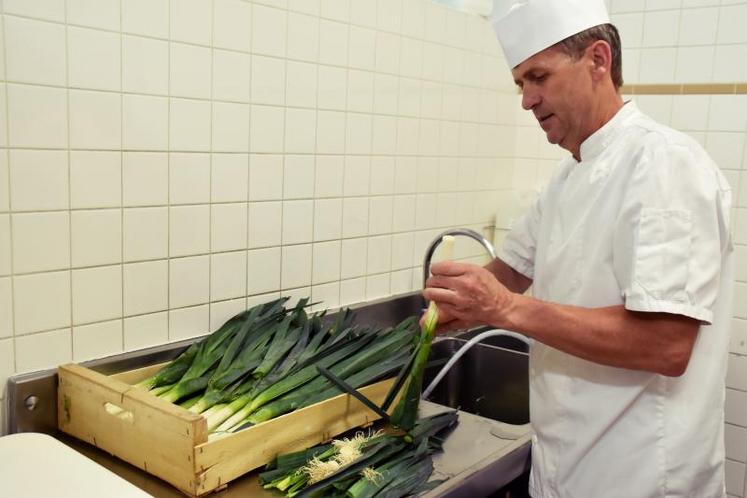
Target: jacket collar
601	139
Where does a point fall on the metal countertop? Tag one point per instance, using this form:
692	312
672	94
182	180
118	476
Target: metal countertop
480	456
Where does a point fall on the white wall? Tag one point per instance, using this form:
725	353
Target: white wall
164	164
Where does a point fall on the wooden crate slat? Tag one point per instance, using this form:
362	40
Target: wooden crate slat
226	458
151	438
172	443
134	376
89	377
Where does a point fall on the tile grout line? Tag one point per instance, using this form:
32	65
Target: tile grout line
314	157
266	201
373	72
69	193
345	144
210	163
12	278
713	58
168	163
394	232
284	154
365	275
313	242
677	61
280	153
273	7
400	33
420	111
248	163
715	88
121	171
194	306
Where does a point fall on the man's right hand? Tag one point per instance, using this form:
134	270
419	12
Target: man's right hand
467	295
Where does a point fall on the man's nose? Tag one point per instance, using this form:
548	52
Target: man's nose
529	99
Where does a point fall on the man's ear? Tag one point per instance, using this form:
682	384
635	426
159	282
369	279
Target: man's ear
600	56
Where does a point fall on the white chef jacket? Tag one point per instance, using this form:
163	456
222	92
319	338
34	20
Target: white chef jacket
642	220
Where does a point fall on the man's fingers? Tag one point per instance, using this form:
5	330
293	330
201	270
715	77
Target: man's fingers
444	314
449	268
443	282
439	295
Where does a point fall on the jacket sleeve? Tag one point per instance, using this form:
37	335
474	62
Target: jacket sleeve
672	231
520	246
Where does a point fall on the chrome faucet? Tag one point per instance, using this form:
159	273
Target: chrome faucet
456	231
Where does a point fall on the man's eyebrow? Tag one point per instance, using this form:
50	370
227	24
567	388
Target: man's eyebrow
518	80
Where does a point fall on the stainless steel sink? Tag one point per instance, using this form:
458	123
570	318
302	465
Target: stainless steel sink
501	341
489	381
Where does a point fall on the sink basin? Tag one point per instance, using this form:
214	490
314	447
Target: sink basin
489	381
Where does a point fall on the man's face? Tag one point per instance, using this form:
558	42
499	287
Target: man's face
557	89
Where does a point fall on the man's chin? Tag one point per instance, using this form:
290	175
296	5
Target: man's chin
553	139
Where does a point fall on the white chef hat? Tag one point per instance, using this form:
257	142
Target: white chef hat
526	27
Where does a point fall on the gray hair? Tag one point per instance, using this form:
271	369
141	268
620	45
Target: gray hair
575	45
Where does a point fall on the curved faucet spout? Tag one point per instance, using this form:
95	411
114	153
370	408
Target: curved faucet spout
456	231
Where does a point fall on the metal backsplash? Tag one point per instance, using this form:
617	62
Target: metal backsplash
31	402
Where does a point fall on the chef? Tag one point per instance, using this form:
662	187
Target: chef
629	257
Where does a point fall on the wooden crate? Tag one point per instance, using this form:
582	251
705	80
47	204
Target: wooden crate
172	443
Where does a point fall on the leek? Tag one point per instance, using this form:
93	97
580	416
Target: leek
406	411
378	465
250	402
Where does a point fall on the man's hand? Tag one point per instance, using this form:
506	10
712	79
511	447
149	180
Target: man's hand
467	295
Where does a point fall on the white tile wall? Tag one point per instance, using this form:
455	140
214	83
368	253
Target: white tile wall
97	340
189	281
103	14
735	472
95	179
6	306
326	262
228	227
189	178
228	275
35	51
190	21
189	230
702	36
144	179
96	294
145	122
145	330
145	233
145	287
223	310
188	322
41	351
37	116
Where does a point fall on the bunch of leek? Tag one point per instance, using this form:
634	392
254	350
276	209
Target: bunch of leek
380	465
358	357
266	361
